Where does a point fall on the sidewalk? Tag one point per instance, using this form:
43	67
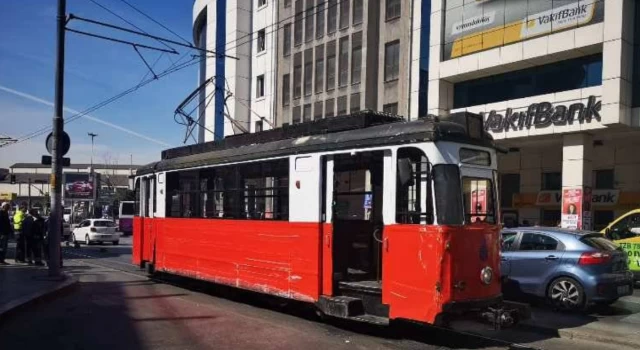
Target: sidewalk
22	285
618	325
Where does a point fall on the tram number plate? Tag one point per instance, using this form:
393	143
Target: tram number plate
623	289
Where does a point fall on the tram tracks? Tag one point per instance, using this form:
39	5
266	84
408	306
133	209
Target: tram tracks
398	332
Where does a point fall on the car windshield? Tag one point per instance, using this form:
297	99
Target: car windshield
104	223
599	242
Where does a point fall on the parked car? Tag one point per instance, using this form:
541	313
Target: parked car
570	268
625	231
96	230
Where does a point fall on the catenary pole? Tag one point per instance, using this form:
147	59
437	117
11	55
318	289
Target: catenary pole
56	156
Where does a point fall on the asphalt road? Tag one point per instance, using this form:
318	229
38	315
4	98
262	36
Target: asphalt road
117	307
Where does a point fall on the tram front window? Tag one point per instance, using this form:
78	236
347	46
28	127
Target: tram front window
478	200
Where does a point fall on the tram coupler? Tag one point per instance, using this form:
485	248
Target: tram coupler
506	314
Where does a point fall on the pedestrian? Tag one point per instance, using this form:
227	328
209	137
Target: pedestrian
5	231
27	234
35	238
18	219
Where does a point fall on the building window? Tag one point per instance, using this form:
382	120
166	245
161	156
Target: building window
565	75
319	68
306	113
297	75
332	16
287	3
320	13
342	105
308	21
356	58
308	71
260	86
355	103
509	186
552	181
258	127
331	65
297	24
317	110
329	107
393	9
357	11
262	3
295	115
344	14
391	108
286	92
391	60
343	65
261	40
286	44
604	179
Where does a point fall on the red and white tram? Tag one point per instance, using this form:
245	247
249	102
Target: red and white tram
367	216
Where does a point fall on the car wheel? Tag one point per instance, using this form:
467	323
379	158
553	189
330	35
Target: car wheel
116	242
87	241
566	293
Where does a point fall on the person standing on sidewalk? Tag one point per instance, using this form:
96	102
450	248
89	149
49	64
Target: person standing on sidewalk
27	234
35	238
5	231
18	219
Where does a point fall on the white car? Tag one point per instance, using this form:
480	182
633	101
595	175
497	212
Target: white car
96	230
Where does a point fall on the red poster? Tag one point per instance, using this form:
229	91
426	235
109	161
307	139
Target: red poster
572	208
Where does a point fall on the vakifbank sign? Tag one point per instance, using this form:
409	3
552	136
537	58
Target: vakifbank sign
473	26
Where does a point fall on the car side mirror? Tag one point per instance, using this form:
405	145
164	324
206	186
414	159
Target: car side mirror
607	232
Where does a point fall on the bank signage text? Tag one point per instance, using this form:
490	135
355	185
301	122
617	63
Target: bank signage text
542	115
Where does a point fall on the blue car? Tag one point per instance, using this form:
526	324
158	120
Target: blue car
572	269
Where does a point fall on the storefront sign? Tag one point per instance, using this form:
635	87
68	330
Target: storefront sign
598	197
8	196
542	115
549	198
473	26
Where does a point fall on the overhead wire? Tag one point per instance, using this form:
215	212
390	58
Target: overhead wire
175	67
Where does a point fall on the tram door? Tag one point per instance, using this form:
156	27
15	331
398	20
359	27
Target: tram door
356	217
147	208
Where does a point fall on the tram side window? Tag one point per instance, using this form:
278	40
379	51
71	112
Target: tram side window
248	191
414	202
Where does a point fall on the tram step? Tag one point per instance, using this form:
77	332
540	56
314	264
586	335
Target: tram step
370	293
381	321
341	306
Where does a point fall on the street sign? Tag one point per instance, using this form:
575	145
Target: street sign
46	160
66	143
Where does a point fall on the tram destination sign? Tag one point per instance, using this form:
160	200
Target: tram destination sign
542	115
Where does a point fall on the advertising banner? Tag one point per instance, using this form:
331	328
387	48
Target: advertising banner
78	186
571	208
475	25
632	247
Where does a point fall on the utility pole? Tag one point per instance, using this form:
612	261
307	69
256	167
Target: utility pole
56	154
92	135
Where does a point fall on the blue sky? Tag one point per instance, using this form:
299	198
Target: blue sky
95	71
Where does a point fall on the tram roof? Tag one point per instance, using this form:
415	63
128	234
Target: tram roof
379	131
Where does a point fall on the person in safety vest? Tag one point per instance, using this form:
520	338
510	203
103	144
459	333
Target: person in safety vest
18	220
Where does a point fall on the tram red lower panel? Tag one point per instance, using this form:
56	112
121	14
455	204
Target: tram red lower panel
280	258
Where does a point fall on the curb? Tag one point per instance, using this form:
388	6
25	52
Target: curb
582	335
12	307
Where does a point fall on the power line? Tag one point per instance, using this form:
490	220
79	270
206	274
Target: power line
154	21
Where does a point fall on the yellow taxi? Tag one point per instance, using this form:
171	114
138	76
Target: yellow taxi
625	231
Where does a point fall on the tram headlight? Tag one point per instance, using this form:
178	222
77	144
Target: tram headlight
486	275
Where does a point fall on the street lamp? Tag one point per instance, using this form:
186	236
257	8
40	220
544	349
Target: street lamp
92	135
